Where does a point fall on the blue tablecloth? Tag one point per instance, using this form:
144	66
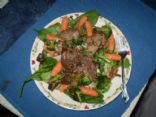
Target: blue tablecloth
135	20
14	19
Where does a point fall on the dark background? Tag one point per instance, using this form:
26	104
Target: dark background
14	21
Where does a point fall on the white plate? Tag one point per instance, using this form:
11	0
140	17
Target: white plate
65	101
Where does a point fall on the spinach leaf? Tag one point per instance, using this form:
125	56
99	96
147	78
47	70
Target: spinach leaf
103	84
92	16
44	53
71	92
106	29
89	99
126	63
78	41
101	66
72	42
48	63
72	23
75	78
56	78
35	76
100	59
22	86
53	29
83	31
76	95
51	45
84	80
43	74
69	43
112	64
100	51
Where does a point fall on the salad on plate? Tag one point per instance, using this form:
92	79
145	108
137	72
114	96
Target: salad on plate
78	58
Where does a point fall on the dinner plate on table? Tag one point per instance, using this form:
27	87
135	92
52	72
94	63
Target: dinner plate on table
62	99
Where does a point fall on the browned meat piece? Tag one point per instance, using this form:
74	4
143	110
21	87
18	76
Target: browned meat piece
66	35
59	46
89	67
70	34
99	39
96	41
66	80
74	63
92	48
52	86
79	69
70	60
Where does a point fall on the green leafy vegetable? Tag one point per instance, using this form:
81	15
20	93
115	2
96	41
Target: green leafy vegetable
92	16
112	64
56	78
71	91
103	84
72	23
75	78
79	41
89	99
101	66
84	32
51	45
48	63
106	30
100	59
100	52
53	29
43	74
23	84
74	92
76	95
84	80
126	63
69	43
44	53
35	76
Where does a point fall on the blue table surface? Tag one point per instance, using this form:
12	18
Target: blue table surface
14	20
136	21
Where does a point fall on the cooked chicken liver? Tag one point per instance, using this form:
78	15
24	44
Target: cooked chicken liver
70	34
